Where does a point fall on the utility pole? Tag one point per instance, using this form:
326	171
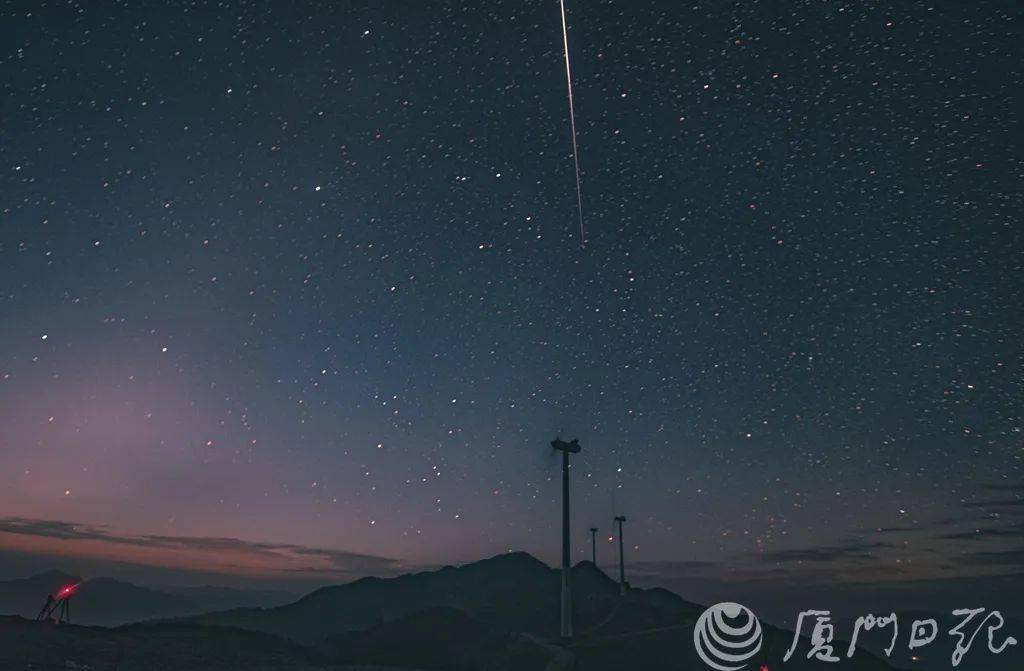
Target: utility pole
593	545
622	564
572	447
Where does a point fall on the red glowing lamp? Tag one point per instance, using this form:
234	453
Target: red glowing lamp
66	591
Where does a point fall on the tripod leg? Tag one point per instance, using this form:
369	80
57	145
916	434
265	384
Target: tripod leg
44	612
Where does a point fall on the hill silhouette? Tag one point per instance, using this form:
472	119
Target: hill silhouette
438	638
513	591
497	614
43	646
474	615
25	596
109	602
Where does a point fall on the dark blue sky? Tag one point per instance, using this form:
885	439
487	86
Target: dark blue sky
307	276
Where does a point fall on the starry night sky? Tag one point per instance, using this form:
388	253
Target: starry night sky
297	288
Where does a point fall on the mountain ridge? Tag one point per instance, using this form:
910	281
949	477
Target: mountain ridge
500	614
107	601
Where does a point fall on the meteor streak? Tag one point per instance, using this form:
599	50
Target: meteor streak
572	124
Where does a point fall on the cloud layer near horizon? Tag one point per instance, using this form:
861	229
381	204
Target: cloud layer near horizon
206	553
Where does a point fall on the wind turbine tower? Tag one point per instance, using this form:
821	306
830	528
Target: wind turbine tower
622	564
572	447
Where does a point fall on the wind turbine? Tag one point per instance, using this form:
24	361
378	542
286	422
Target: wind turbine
622	565
572	447
593	545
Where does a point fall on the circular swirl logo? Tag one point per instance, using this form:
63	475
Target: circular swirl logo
726	636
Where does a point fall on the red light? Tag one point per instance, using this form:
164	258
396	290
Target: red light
66	591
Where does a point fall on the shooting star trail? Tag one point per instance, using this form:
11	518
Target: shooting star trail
572	124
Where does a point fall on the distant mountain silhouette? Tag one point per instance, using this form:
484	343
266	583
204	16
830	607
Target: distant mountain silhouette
25	596
476	615
498	614
216	597
110	602
513	591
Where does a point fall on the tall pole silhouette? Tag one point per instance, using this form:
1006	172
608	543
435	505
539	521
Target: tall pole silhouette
593	545
571	447
622	564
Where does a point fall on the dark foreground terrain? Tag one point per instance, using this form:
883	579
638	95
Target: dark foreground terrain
498	614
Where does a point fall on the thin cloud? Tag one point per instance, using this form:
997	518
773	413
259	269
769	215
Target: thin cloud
1007	496
997	503
1006	488
985	534
53	529
892	530
1012	557
998	530
332	560
670	567
830	553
